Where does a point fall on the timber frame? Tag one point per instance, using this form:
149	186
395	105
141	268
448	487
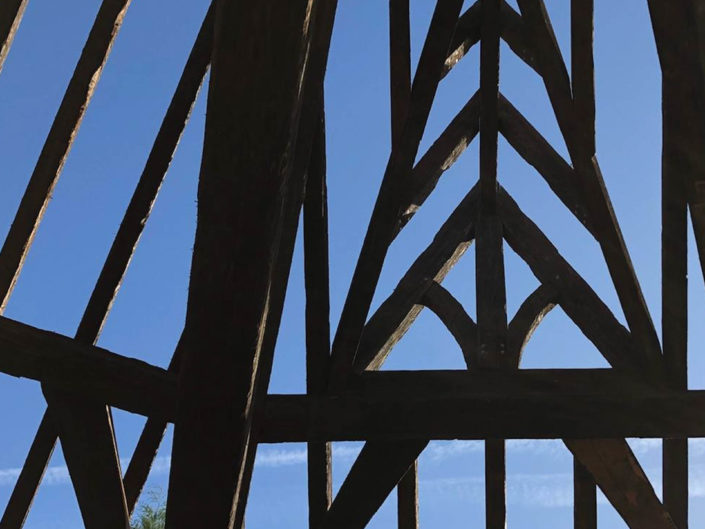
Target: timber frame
251	205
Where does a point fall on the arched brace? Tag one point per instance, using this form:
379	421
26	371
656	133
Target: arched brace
449	310
527	318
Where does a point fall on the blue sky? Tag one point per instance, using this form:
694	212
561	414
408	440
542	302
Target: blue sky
147	318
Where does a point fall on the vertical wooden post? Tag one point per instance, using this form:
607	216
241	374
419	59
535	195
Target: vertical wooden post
320	488
584	498
408	499
240	222
399	66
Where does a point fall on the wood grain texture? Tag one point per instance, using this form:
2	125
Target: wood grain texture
58	143
11	12
240	223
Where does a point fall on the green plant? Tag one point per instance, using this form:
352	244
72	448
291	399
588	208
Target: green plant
152	513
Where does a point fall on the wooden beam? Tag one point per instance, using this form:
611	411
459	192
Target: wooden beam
101	376
399	66
388	207
465	36
610	237
552	414
373	476
611	463
58	143
584	498
396	314
408	499
239	231
517	36
11	12
527	319
576	298
582	79
116	264
495	484
457	321
320	484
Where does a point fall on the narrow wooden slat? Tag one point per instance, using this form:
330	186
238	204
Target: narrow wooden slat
118	260
236	252
576	298
373	476
408	499
617	472
396	314
58	143
32	471
320	484
453	316
11	12
400	66
495	485
584	498
674	297
388	206
610	237
527	319
591	415
582	70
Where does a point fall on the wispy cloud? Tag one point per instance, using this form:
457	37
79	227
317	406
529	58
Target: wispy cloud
541	489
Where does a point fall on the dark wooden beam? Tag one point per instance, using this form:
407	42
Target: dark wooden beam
517	35
396	314
391	197
116	264
452	314
575	297
527	319
554	414
399	66
465	36
408	499
582	80
584	498
11	12
58	143
241	221
495	484
320	484
611	463
373	476
600	209
96	373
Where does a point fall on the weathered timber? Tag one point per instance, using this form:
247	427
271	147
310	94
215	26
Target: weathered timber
241	219
575	296
58	143
584	498
396	314
611	463
600	209
320	484
101	376
527	319
121	251
451	312
465	36
495	485
373	476
399	66
447	148
538	153
582	79
389	204
553	414
11	12
674	290
408	499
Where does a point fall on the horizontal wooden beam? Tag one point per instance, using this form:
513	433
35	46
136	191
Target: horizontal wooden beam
529	415
65	363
